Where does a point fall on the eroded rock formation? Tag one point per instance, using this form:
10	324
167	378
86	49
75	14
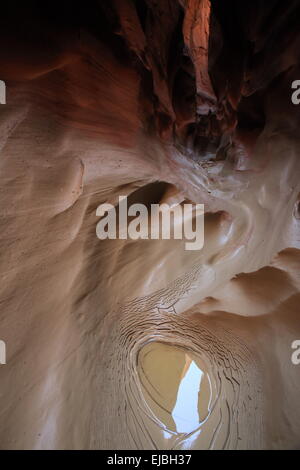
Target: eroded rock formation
160	100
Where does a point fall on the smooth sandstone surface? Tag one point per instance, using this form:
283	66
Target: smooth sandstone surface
163	101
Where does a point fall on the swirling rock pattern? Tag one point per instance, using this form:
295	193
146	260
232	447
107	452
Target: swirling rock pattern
169	100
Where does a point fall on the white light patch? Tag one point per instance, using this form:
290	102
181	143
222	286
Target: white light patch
185	412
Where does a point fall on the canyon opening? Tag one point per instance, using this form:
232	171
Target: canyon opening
119	331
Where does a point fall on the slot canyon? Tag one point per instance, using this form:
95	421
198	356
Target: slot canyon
141	343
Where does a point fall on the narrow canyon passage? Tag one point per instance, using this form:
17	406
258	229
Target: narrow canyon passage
141	343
